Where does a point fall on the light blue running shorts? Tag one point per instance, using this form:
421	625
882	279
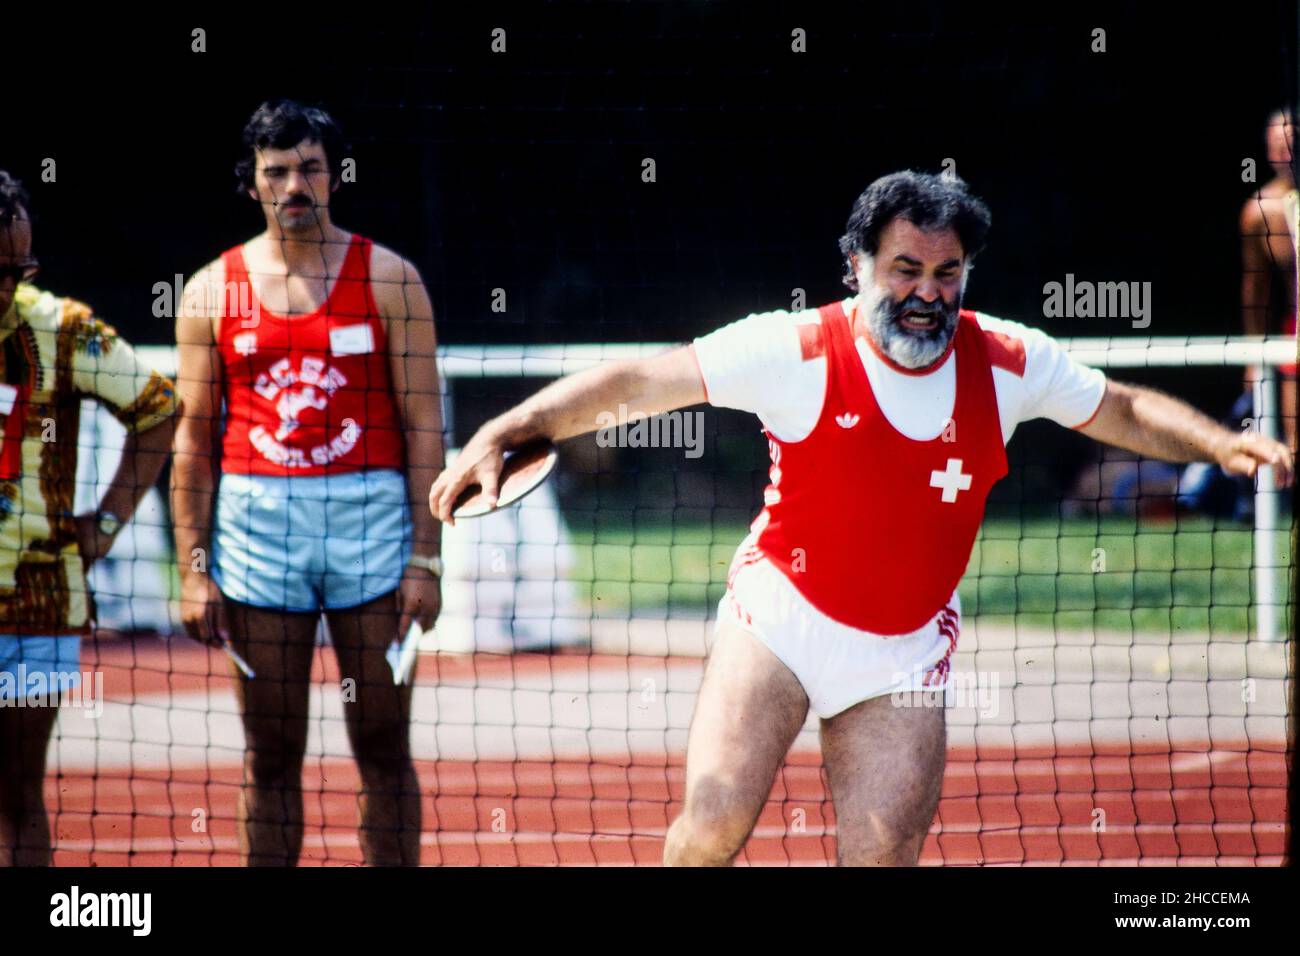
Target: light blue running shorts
37	666
312	542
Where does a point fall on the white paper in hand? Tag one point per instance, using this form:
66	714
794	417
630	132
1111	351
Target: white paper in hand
401	654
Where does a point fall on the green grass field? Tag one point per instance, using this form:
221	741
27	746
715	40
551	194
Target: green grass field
1113	574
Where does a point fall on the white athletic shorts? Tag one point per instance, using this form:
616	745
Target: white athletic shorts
838	665
312	542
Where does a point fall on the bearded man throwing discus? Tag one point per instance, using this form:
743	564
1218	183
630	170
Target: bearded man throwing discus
887	416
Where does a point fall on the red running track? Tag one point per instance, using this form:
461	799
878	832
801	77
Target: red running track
999	809
1225	806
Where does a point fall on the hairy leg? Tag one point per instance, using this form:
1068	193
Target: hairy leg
750	709
885	762
378	722
24	827
273	705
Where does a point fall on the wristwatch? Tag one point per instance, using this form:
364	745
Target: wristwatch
108	523
432	564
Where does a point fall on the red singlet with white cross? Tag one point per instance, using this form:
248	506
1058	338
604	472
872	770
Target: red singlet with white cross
873	528
309	394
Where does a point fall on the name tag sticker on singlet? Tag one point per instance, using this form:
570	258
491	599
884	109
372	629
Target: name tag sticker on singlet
352	339
8	395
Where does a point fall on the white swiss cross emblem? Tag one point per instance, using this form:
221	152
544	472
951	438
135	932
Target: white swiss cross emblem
951	480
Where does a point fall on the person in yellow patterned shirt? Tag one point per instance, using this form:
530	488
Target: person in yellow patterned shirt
54	353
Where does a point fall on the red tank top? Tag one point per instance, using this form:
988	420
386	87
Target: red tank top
311	394
873	528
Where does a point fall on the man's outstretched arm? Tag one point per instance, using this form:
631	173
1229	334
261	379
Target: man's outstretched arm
1156	425
568	407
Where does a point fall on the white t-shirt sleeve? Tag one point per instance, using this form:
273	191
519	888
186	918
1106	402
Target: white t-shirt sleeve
1066	391
1054	385
753	364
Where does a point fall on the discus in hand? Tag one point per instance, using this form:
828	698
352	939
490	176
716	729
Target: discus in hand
525	468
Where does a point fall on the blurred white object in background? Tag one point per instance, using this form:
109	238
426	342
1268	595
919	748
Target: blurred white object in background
507	585
133	585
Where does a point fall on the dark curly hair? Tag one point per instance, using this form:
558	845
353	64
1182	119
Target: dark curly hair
283	124
13	197
927	201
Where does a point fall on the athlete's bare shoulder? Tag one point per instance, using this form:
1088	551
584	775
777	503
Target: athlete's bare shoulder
1275	188
1266	209
204	295
395	282
1264	215
387	266
210	274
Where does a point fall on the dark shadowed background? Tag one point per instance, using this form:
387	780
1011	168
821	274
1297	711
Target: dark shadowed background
522	170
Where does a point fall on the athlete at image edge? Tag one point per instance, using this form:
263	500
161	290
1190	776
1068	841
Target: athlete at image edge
1270	237
48	604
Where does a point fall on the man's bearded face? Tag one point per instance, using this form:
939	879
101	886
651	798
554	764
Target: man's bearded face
911	292
913	332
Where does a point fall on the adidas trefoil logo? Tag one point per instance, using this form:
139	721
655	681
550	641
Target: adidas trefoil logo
847	420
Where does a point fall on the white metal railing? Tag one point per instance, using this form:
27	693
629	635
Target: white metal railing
491	361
